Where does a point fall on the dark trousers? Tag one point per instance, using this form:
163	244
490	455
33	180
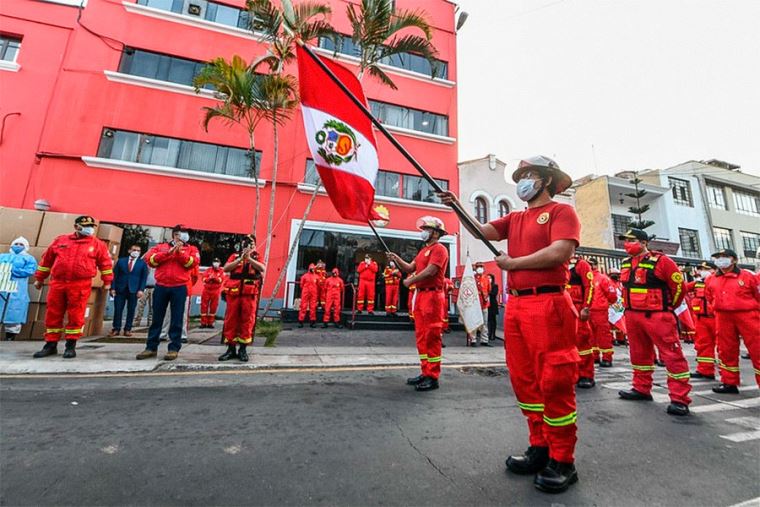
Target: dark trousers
119	300
492	314
164	297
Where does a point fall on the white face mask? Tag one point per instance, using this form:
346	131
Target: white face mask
215	264
87	231
425	235
723	262
184	237
704	274
526	189
366	261
479	271
134	254
392	264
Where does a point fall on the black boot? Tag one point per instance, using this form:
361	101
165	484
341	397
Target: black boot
556	477
533	461
678	409
242	354
697	374
324	325
49	349
634	395
413	381
726	389
71	349
313	323
585	383
300	323
605	363
9	337
230	354
659	363
427	384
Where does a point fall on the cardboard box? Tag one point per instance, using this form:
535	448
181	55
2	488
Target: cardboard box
19	222
37	251
110	233
54	225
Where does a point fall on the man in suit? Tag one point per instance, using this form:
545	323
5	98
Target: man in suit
130	275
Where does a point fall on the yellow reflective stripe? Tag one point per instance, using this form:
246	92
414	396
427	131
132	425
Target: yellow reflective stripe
190	262
606	350
434	359
43	269
625	265
531	407
423	356
757	372
106	272
54	330
642	367
75	331
585	352
729	368
636	290
567	420
244	341
152	260
705	359
679	376
646	265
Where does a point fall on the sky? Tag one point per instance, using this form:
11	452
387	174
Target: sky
609	85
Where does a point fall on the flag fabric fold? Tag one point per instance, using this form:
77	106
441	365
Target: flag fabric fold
468	302
340	137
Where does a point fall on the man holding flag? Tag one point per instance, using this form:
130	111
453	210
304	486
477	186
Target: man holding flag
468	302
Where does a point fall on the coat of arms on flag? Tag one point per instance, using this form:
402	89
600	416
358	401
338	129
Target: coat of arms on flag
468	302
337	142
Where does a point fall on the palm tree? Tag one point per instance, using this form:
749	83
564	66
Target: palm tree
377	27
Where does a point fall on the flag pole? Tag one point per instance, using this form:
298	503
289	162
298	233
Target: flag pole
469	222
369	222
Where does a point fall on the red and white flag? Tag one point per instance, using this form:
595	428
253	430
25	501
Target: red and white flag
340	137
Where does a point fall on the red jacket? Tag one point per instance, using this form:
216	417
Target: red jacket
309	282
581	283
652	282
605	293
484	288
737	290
173	269
392	276
72	257
334	285
697	296
213	278
367	271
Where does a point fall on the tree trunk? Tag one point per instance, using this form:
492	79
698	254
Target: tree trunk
275	161
292	249
255	175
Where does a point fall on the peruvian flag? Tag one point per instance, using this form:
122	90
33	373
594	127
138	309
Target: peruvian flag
340	137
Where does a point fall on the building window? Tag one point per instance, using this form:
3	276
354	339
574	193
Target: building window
411	119
750	243
170	152
715	197
481	210
620	224
137	62
689	243
210	11
722	238
9	47
746	203
406	61
416	188
681	192
503	208
388	184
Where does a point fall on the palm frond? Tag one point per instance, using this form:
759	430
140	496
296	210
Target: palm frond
410	19
264	18
377	72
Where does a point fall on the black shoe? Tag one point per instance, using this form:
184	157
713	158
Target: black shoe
183	340
70	351
659	363
358	312
370	313
49	349
678	409
427	384
556	477
230	354
696	374
313	324
413	381
634	395
473	344
485	344
242	354
300	324
447	331
324	325
9	337
726	389
605	364
586	383
533	461
338	325
597	360
443	345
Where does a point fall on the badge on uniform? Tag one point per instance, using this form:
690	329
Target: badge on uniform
677	277
543	218
741	283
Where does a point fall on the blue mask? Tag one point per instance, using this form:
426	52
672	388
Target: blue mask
17	248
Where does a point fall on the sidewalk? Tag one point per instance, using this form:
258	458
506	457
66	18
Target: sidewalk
300	348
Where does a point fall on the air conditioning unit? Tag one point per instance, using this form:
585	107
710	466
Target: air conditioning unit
194	9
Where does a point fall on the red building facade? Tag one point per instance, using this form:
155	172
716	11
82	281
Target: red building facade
109	125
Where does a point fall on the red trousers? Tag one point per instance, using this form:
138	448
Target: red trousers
391	298
366	291
308	303
410	304
539	341
69	298
601	331
704	343
332	305
239	319
728	327
644	333
428	330
209	304
585	350
321	294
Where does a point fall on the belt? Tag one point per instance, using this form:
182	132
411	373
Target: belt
429	288
705	316
544	289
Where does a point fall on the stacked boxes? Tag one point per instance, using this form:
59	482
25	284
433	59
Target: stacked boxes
40	229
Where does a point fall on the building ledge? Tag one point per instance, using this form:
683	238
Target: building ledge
157	84
307	189
9	66
189	21
388	68
420	135
174	172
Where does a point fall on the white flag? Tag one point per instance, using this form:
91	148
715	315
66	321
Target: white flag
468	302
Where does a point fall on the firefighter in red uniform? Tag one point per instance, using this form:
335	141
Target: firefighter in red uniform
308	283
410	298
321	271
735	295
601	329
367	271
242	289
448	290
580	286
392	278
484	288
333	299
540	320
430	268
652	288
618	336
704	338
213	278
73	260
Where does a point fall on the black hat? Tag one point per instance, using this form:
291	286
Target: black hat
85	221
593	261
180	228
707	265
725	251
633	233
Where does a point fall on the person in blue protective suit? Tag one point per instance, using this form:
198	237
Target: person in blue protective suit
23	266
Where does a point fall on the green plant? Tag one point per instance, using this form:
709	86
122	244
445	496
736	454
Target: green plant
269	329
639	209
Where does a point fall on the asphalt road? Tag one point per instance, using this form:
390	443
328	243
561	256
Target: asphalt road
353	438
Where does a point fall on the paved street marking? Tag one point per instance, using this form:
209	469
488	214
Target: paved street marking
755	502
753	423
710	391
727	405
658	397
